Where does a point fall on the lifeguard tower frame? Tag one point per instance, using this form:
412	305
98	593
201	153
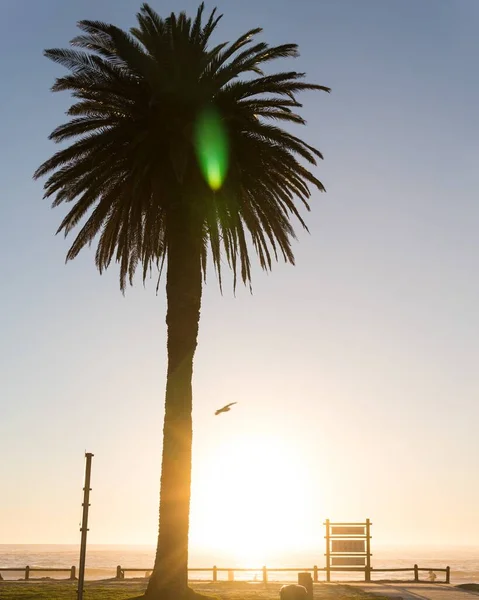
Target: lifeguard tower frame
348	548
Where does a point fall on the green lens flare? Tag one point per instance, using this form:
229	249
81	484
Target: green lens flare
211	147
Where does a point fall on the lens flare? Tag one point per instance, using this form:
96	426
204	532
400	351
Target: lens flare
211	143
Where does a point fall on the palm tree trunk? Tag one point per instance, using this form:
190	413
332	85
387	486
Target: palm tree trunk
169	580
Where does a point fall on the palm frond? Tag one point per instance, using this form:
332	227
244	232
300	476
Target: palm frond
130	170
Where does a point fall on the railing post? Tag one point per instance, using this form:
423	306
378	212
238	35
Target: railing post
328	555
265	575
119	574
367	573
315	573
27	573
72	573
231	575
416	573
215	573
448	574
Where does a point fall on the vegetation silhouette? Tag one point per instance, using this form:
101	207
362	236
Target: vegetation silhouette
146	179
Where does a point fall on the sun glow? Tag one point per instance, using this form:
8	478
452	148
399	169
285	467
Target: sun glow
251	501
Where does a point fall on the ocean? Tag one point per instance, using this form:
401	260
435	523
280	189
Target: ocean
101	562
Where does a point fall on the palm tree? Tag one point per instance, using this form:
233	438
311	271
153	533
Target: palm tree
173	157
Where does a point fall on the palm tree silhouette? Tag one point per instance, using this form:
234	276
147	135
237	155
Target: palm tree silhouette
172	158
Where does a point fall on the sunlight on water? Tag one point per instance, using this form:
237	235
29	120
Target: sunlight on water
102	561
212	147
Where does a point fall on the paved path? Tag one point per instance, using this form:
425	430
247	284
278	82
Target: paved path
418	591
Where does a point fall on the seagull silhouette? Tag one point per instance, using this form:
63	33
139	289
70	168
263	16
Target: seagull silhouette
225	408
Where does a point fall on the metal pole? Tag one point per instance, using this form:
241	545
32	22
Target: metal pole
328	552
84	525
367	572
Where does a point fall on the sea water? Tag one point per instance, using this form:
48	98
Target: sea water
101	562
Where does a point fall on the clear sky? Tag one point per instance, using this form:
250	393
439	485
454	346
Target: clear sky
355	372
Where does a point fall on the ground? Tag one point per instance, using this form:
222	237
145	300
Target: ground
420	591
470	587
123	590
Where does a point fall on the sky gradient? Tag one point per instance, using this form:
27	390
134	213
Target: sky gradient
359	364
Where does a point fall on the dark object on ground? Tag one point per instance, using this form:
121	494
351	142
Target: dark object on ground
226	408
471	587
293	592
306	581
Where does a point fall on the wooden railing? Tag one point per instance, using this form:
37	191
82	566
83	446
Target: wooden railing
416	569
27	570
315	570
120	571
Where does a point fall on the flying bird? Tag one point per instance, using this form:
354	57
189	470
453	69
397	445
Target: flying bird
225	408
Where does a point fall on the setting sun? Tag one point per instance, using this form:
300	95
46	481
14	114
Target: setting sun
249	500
